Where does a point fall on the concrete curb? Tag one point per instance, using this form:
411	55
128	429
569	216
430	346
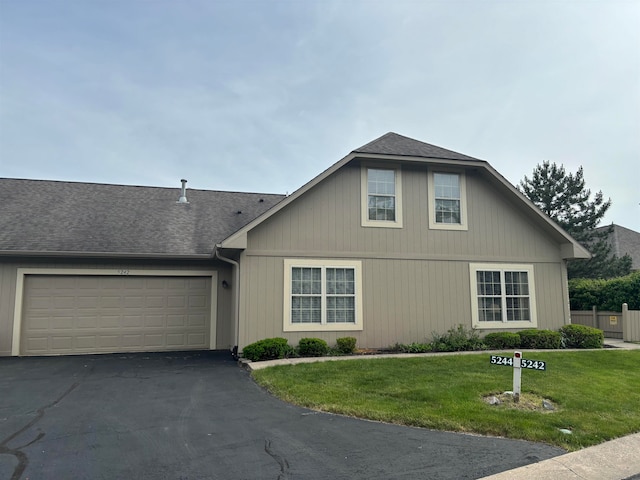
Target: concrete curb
617	459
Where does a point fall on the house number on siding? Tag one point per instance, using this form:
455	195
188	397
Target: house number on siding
123	272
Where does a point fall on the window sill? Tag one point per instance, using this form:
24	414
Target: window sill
318	327
381	224
448	226
504	325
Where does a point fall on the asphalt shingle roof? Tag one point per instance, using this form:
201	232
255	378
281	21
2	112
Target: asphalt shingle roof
394	144
625	241
52	216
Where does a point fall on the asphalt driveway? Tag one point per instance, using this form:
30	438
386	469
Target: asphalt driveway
188	416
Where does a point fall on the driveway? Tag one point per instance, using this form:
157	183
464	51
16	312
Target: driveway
188	416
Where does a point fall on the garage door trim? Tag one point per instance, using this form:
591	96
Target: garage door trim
22	272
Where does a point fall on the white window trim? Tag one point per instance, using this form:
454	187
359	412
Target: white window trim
364	201
502	267
432	202
287	326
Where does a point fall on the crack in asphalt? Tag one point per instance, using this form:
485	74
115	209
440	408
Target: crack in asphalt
284	465
23	460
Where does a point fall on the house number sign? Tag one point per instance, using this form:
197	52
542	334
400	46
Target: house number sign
524	363
518	363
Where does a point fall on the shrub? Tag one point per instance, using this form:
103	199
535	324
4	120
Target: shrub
545	339
346	345
605	294
501	340
267	349
412	347
312	347
581	336
457	339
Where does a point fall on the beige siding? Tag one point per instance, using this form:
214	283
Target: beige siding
326	220
7	301
8	274
415	280
404	300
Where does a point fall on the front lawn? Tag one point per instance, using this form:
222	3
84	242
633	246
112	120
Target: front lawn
596	393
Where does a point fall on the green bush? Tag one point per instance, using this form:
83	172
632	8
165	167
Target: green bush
457	339
544	339
501	340
267	349
312	347
412	348
605	294
346	345
581	336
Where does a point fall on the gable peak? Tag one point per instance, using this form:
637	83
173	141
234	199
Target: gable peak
395	144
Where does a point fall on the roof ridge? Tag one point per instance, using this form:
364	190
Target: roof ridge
392	143
122	185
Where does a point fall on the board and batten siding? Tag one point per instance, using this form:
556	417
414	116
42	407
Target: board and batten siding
8	275
404	301
326	220
415	280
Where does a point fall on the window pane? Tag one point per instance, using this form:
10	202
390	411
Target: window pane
340	281
489	310
488	283
306	281
341	310
382	208
516	283
381	186
447	211
309	295
381	181
515	296
518	309
305	310
447	197
489	296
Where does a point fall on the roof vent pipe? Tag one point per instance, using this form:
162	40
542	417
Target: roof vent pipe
183	193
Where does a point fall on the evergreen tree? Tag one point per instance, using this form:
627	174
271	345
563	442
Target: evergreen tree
564	197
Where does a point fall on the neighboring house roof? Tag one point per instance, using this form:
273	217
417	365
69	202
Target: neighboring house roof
397	148
52	217
624	241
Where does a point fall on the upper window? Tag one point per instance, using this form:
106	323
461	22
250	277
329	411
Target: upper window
447	198
322	295
382	199
502	296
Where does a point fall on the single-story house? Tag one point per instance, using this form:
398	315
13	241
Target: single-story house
397	240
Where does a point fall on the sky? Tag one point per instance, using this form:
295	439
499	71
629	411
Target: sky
262	96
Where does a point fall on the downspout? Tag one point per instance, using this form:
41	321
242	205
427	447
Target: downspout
236	296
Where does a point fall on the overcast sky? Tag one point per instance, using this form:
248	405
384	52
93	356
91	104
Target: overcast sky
263	95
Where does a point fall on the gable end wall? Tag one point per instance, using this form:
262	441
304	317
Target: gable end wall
415	280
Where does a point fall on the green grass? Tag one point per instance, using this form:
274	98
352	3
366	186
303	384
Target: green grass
597	393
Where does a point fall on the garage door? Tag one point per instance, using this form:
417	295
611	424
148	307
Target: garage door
103	314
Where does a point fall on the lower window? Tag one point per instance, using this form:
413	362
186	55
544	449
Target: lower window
502	296
322	295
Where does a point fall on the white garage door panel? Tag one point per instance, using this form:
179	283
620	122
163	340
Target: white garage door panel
66	314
